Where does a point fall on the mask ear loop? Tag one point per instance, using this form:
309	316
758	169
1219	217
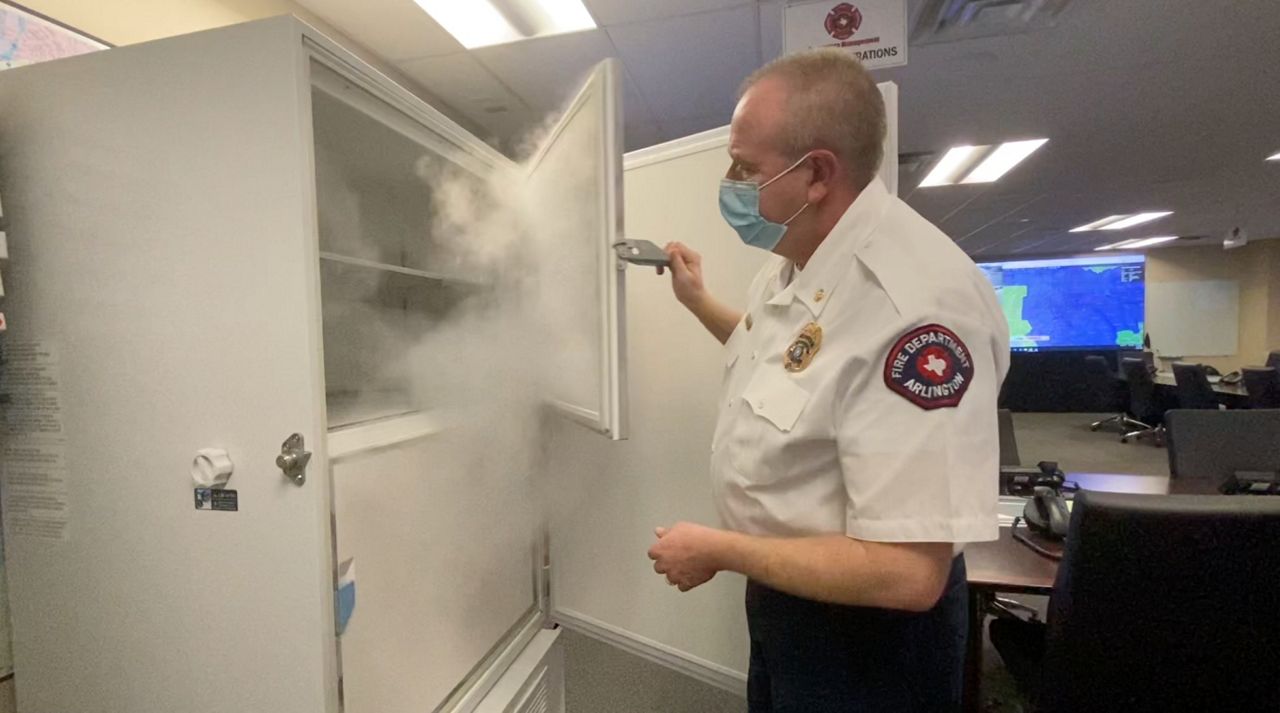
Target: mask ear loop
793	215
789	169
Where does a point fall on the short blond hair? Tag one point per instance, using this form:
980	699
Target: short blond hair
833	104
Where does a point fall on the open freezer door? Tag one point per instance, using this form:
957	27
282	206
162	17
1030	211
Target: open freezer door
576	189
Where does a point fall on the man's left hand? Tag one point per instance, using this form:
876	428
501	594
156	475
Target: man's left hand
687	553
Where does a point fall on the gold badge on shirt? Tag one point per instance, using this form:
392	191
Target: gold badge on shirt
801	351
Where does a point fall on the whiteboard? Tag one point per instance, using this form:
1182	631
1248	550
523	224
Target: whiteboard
1194	318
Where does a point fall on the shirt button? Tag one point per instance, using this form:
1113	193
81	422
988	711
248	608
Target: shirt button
754	355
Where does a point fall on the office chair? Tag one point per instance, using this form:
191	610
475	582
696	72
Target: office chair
1008	439
1262	386
1218	444
1107	393
1144	402
1149	358
1165	603
1273	359
1194	389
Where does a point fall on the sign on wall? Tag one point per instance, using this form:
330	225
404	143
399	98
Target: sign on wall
874	31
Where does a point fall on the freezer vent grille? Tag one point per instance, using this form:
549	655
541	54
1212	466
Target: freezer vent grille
539	698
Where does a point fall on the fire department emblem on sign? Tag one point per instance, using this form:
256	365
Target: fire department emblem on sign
843	20
930	367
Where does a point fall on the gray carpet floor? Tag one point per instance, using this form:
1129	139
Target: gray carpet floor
1066	438
603	679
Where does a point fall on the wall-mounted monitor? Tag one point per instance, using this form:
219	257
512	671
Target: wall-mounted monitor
1072	303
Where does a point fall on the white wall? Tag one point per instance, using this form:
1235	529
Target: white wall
1256	267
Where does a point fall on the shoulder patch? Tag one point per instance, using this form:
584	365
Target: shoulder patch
930	367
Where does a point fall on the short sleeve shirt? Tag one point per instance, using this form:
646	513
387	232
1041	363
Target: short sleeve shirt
859	394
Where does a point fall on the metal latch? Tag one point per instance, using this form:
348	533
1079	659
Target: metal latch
293	459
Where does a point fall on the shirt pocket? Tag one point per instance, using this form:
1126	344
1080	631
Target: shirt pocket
775	403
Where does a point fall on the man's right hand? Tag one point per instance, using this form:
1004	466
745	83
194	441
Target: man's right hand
686	274
686	283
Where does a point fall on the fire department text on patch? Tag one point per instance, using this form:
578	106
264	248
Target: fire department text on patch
930	367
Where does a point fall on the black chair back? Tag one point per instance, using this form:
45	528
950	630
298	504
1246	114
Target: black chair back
1105	390
1262	385
1218	444
1008	440
1273	359
1162	602
1149	358
1143	402
1194	389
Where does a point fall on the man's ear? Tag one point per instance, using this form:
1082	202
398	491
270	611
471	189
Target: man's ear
826	168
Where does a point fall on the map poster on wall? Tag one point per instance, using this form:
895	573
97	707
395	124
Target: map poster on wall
27	37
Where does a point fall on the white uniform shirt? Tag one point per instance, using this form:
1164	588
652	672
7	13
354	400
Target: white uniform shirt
889	432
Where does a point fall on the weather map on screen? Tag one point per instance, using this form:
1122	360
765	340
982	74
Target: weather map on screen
1072	303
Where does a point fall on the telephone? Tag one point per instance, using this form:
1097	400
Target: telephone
1047	513
1210	370
1234	377
1251	483
1022	482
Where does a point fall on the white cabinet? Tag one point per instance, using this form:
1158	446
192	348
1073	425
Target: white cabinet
224	239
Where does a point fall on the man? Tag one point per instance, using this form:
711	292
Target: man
856	448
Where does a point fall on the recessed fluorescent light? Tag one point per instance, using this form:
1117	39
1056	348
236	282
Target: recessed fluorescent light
953	163
474	23
1098	224
1137	219
1148	242
480	23
558	16
1120	222
1137	243
1003	159
1274	157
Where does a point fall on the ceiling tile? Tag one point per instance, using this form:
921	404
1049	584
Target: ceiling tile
394	29
691	66
770	30
616	12
470	89
546	71
642	134
680	128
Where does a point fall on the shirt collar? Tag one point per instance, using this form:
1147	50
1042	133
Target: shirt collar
830	262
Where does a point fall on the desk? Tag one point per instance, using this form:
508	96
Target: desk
1231	391
1006	565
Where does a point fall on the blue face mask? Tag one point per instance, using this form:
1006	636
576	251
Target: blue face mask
740	206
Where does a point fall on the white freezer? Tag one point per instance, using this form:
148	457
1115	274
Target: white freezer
220	240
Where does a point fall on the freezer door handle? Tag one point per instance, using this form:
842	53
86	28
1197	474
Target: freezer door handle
293	459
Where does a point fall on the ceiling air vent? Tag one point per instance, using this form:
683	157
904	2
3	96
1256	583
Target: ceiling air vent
952	20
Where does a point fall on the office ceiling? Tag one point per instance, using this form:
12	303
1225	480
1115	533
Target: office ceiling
1168	105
